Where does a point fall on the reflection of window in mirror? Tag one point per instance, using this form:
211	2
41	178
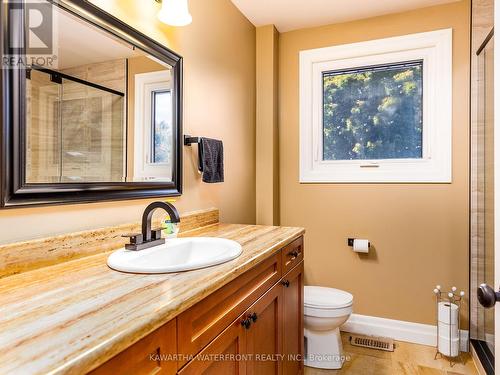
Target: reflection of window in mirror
161	127
153	133
103	114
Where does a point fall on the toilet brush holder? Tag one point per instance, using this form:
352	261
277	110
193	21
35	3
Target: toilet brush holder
448	323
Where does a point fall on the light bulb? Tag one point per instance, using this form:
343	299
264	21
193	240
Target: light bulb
175	13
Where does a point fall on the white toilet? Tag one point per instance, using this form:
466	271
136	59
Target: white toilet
325	310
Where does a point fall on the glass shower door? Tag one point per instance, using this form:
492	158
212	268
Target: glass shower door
74	130
92	139
486	96
482	192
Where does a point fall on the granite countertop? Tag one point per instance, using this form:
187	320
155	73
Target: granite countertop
73	316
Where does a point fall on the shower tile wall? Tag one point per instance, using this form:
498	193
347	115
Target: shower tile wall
92	125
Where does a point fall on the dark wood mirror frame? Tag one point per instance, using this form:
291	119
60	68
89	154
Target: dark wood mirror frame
15	192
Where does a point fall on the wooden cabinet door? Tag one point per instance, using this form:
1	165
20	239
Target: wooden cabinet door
293	322
203	322
224	355
265	334
153	355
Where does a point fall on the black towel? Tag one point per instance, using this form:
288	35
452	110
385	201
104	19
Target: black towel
212	160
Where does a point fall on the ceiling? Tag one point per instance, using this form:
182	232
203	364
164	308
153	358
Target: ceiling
78	43
289	15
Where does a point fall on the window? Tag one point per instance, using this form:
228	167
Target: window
373	112
161	127
153	132
377	111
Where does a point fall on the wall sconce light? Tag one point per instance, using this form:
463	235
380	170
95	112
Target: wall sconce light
174	12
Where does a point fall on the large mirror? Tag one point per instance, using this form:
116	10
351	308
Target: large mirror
98	117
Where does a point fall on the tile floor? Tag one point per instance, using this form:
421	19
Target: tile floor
407	359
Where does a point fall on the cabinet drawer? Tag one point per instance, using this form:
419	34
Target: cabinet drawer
146	357
292	254
200	324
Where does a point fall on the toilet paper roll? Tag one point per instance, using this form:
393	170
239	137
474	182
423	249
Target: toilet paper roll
448	347
448	313
448	331
360	245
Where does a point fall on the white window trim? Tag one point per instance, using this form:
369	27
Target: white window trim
435	49
145	85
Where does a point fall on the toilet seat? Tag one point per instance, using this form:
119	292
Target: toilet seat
326	302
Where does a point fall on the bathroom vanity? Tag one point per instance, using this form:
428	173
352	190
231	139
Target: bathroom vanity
80	316
247	318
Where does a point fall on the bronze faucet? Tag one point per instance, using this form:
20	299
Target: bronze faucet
149	238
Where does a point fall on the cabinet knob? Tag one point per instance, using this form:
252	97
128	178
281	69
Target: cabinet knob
246	323
253	317
286	283
293	254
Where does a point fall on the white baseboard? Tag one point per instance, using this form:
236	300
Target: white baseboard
400	330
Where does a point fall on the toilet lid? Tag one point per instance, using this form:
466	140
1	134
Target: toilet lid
326	298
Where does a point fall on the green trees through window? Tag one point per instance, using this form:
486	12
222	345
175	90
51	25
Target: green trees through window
162	126
373	112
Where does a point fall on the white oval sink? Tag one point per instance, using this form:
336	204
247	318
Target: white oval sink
176	255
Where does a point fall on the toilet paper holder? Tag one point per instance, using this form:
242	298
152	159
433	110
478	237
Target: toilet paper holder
350	242
448	335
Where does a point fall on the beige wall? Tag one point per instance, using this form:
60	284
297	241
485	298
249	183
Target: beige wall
419	232
219	102
267	153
